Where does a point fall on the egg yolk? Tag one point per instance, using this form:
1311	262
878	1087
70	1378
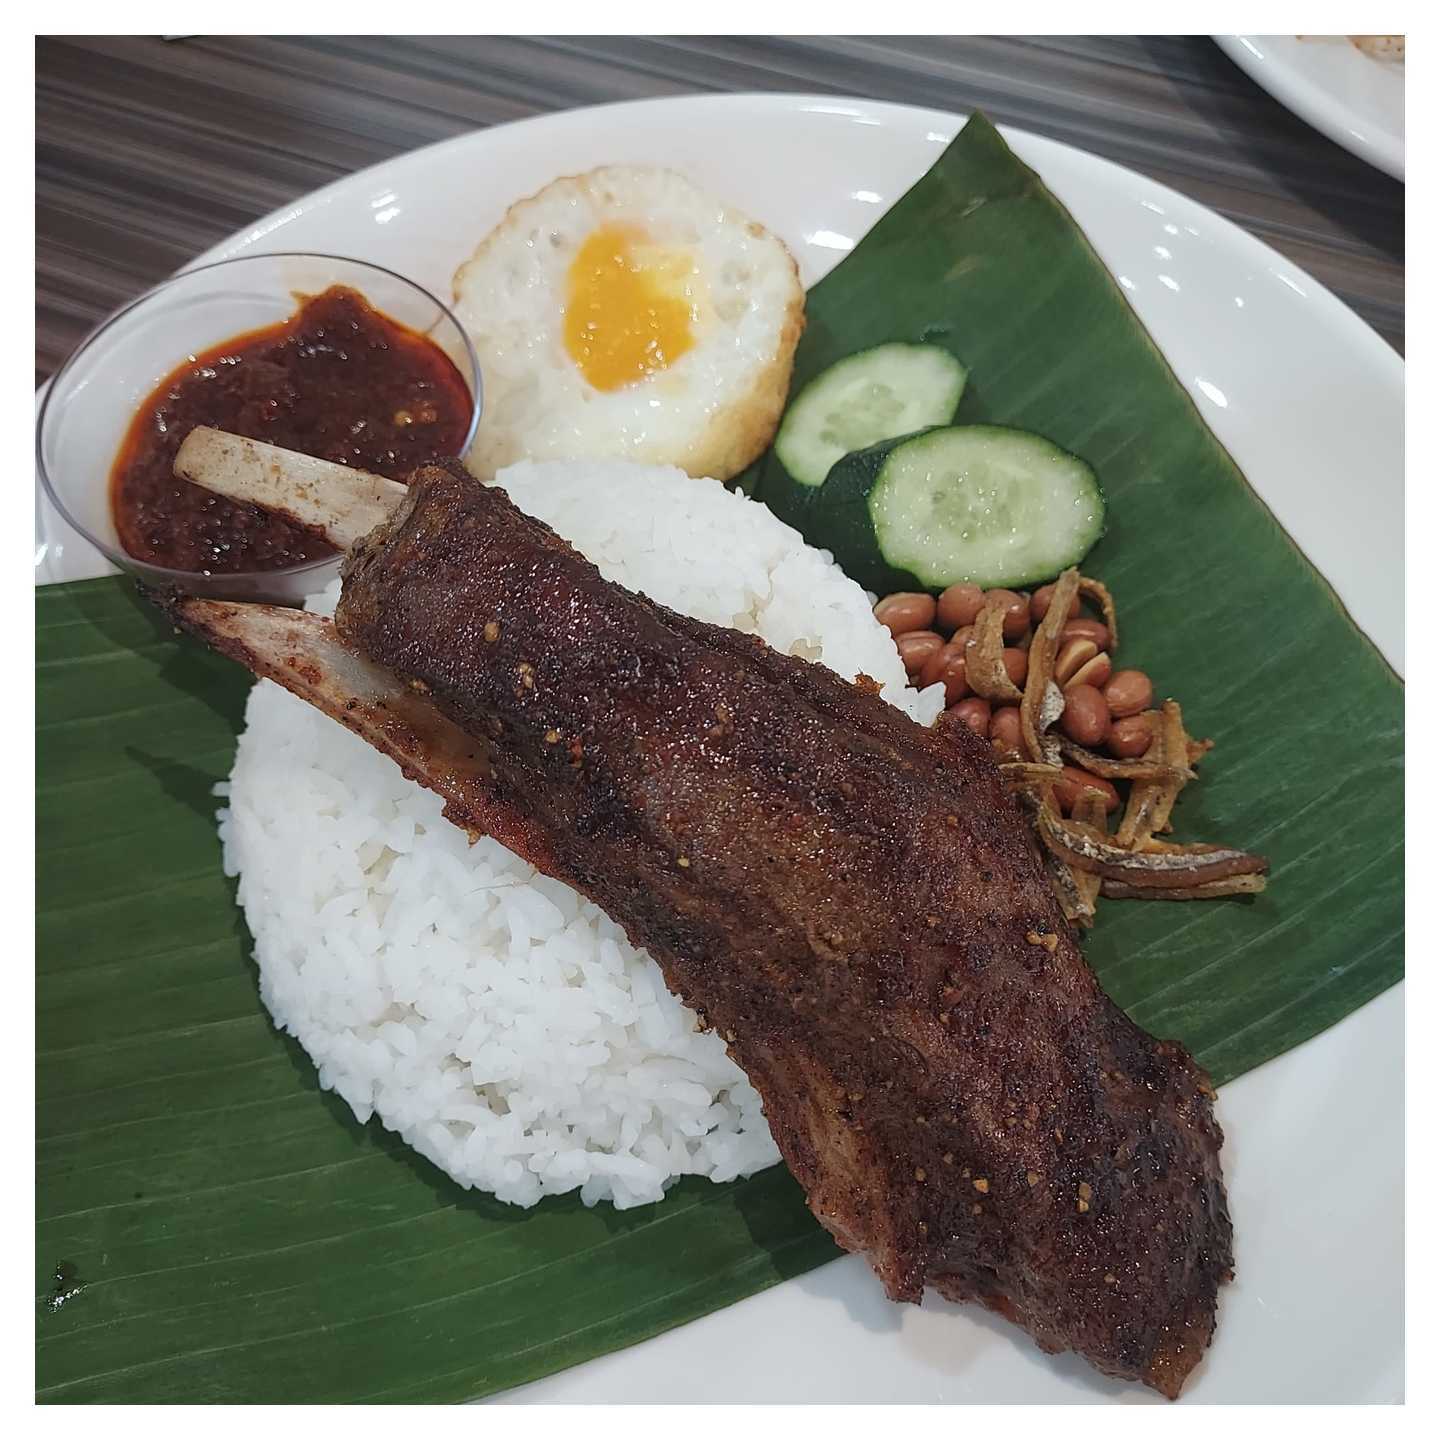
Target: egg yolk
631	307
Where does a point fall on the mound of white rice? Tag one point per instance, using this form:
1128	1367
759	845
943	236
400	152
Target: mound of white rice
501	1024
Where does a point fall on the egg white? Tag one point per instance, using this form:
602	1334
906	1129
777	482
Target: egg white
711	411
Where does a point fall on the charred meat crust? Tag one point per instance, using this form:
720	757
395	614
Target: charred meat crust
855	904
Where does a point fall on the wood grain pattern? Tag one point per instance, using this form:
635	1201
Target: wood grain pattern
149	151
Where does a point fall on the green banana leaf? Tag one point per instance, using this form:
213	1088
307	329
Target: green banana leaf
211	1226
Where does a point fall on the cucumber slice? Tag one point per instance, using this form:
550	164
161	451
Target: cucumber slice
874	395
982	504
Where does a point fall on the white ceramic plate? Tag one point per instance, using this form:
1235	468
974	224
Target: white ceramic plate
1358	101
1310	402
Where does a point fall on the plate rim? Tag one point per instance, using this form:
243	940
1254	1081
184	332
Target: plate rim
786	100
1319	109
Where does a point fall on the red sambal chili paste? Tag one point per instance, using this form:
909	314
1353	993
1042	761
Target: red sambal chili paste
338	379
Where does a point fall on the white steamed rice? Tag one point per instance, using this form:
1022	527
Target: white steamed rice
504	1026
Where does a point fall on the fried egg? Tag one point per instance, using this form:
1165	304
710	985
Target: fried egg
624	314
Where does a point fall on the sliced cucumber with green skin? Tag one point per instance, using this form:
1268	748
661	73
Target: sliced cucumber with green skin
874	395
982	504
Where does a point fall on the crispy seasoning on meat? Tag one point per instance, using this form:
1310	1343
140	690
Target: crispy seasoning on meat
853	902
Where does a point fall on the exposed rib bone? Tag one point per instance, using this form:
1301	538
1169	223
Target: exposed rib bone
303	653
340	503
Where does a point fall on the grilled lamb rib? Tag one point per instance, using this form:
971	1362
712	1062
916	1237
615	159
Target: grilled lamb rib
853	902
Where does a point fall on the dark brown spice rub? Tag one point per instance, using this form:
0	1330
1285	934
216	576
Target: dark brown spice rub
856	905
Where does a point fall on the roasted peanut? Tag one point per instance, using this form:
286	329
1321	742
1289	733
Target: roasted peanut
1130	738
1017	612
917	647
959	605
1095	671
1070	657
973	714
1040	603
1086	717
1128	692
948	669
930	670
1073	780
1017	665
1005	731
1095	631
906	611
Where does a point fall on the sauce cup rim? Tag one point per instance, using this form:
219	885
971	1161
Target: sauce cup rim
161	575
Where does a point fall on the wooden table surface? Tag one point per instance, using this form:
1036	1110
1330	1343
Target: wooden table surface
149	151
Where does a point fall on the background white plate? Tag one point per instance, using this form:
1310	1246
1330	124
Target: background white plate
1310	402
1358	101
